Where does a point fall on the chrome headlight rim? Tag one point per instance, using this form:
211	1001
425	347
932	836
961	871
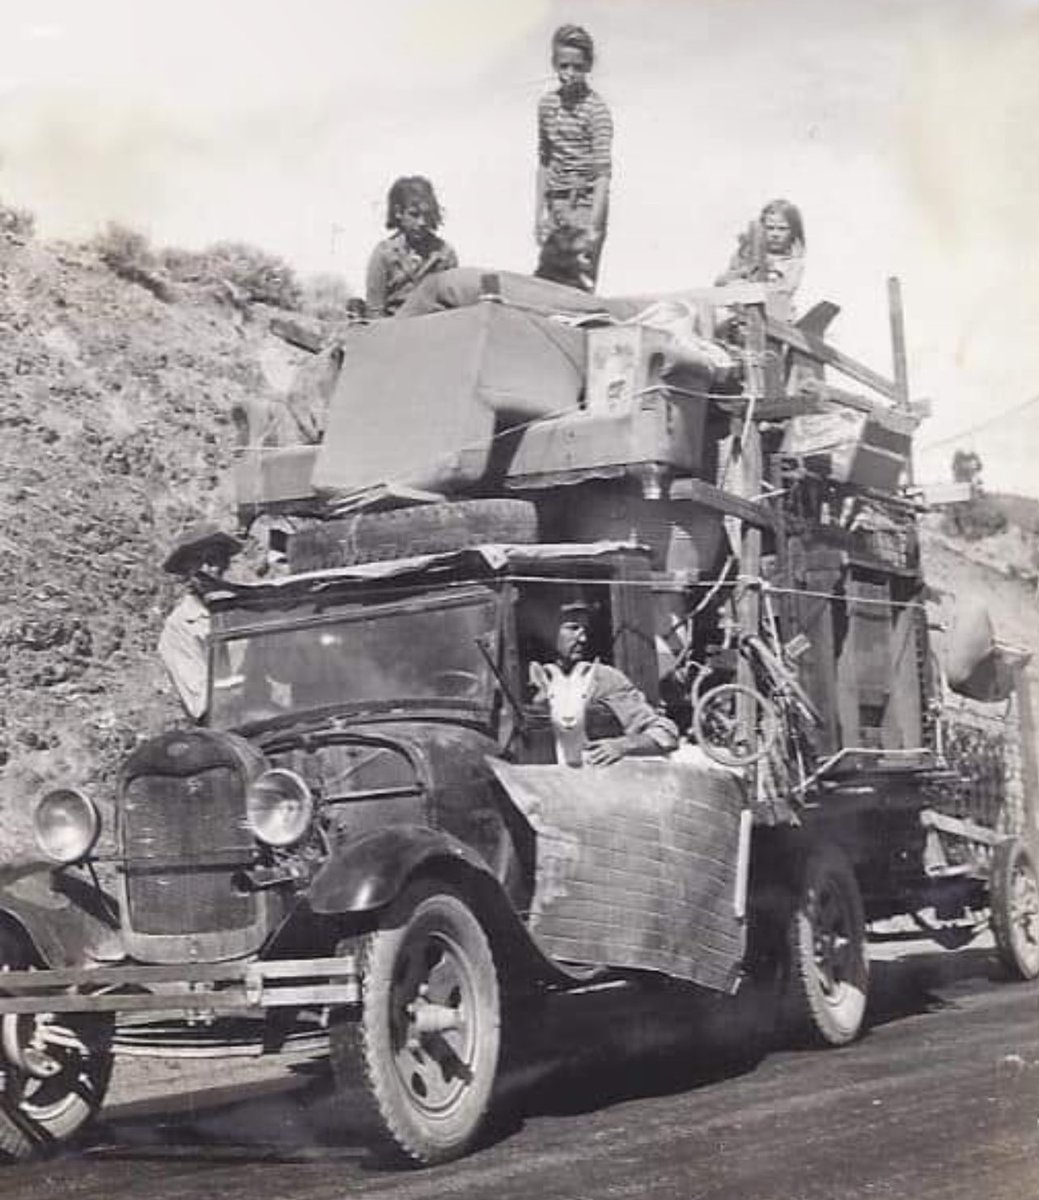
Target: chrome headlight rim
279	808
89	829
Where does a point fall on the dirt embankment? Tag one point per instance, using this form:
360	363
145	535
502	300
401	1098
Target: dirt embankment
115	431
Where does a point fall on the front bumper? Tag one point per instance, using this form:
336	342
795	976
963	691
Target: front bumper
191	989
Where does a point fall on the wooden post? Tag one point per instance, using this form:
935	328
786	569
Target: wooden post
898	354
1026	733
898	342
748	607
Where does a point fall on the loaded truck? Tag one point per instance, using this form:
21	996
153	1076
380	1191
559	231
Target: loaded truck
367	846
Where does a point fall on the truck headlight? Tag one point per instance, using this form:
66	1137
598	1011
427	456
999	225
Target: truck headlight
66	825
279	807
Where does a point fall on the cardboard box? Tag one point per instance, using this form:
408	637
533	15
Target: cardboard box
850	446
623	360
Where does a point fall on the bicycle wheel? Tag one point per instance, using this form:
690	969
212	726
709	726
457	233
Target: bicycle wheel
716	725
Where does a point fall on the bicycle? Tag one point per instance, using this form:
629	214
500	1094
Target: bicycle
738	724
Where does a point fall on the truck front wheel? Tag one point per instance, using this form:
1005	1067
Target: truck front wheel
54	1070
423	1053
826	943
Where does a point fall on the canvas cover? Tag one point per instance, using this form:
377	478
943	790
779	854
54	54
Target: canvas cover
419	400
636	865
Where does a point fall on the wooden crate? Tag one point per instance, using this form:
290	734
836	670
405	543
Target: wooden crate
868	450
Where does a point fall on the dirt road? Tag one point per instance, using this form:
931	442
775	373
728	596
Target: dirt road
941	1099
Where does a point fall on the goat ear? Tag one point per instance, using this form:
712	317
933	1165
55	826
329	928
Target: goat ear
538	676
583	669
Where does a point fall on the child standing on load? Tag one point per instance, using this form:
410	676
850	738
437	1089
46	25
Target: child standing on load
575	138
412	252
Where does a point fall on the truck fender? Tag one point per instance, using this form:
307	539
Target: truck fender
371	871
60	930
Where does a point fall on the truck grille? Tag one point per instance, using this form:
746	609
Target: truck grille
184	836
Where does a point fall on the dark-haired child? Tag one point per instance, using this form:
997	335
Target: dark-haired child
412	252
575	145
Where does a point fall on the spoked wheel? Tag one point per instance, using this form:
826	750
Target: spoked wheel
54	1071
717	725
1014	897
424	1051
826	942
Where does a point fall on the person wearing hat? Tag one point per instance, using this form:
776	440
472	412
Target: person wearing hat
202	553
643	729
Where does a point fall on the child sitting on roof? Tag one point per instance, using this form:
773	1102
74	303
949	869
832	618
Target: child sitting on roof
771	250
412	252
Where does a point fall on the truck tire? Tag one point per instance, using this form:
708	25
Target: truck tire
828	968
1014	901
420	1060
54	1070
418	529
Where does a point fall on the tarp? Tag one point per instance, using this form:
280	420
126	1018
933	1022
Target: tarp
465	285
636	865
418	402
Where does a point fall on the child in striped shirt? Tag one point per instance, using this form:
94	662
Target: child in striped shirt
575	139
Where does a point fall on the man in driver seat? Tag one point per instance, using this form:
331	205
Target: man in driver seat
643	730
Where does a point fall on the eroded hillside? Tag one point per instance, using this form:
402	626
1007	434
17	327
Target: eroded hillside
116	417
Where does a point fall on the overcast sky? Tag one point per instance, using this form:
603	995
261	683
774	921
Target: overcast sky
905	129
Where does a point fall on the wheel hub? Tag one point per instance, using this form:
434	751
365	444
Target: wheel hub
437	1039
427	1017
26	1045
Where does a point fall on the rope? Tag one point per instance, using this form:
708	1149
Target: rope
679	586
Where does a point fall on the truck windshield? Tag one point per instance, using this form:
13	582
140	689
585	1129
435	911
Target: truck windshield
415	657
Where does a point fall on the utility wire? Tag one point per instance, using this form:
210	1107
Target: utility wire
989	421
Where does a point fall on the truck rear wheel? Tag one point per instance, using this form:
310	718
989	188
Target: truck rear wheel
1014	900
418	529
54	1070
424	1051
826	943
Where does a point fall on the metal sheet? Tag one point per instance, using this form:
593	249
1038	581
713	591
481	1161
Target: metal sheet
636	865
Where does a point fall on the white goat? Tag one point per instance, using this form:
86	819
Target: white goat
568	696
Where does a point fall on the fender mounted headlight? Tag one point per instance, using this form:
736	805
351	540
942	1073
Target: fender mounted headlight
66	825
279	807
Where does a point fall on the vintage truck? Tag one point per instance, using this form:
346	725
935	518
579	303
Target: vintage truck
367	842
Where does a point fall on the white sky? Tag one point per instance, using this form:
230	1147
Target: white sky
907	131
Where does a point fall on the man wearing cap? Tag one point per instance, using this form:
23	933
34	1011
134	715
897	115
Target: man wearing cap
644	730
204	551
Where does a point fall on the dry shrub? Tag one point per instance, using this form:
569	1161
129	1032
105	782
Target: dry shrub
16	222
123	250
975	519
128	254
254	273
325	296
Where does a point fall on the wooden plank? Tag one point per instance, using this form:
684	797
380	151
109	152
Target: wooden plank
971	831
897	420
1026	732
898	342
751	478
816	348
701	492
